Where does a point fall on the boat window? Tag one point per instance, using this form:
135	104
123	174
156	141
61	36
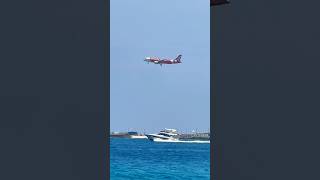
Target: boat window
165	134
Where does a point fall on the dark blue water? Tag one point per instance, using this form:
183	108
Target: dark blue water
142	159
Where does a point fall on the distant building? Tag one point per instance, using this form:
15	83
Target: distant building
195	136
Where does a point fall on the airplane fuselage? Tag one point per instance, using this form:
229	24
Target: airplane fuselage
151	59
169	61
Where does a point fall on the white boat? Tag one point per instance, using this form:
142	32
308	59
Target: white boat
166	135
138	137
135	135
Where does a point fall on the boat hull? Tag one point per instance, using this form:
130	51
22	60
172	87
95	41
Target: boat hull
158	138
138	137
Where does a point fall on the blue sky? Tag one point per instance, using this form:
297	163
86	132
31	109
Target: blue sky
147	97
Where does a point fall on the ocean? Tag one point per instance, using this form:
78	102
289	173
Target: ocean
142	159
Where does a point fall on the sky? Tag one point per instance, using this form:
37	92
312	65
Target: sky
146	97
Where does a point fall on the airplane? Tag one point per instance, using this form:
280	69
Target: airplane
177	60
218	2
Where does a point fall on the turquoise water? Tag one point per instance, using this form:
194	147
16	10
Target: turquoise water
142	159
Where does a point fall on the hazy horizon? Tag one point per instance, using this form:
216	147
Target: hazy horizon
147	97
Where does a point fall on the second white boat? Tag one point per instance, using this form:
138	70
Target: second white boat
166	135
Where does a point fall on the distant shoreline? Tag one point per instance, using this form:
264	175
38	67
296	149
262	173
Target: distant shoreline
185	136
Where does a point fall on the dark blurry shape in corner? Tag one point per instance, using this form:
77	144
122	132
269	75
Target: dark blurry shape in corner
218	2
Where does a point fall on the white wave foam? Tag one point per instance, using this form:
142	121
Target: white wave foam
179	141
